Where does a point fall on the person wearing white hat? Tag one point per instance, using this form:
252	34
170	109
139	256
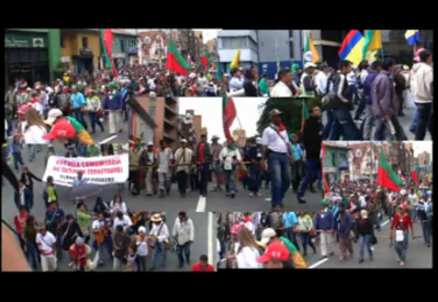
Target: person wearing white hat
79	253
308	85
148	161
159	235
183	161
165	158
216	148
285	87
142	249
277	150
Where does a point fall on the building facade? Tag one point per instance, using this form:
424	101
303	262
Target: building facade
336	164
80	49
31	54
124	48
230	41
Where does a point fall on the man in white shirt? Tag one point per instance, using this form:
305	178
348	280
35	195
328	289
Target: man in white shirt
236	82
277	147
321	79
183	161
160	236
282	88
230	158
165	156
184	233
46	245
123	220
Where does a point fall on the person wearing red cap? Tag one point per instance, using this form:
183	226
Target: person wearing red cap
400	224
276	254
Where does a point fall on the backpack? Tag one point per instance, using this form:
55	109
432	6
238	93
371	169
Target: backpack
275	220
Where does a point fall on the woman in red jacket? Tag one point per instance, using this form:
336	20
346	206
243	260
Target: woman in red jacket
400	225
79	254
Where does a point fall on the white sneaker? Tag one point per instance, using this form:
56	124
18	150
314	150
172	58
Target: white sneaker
269	199
259	194
251	194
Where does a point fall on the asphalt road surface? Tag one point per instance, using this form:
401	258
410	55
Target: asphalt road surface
205	225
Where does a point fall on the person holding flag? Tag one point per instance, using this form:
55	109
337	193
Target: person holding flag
277	150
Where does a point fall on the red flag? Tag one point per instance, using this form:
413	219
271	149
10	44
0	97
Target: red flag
414	177
324	179
108	44
229	114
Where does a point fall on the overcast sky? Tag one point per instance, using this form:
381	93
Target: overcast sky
248	113
419	146
208	34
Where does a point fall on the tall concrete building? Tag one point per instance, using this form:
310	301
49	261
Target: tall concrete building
230	41
164	112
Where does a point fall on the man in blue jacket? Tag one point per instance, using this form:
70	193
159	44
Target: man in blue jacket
369	119
78	104
324	225
113	103
343	226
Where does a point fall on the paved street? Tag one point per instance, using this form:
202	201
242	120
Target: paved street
418	255
105	137
405	122
205	228
217	201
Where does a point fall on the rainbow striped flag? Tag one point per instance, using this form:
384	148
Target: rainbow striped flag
352	47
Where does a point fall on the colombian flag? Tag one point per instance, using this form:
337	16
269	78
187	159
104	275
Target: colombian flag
412	36
352	47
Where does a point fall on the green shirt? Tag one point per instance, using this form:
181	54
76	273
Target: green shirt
290	246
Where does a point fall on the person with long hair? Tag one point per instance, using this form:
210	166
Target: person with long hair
247	250
34	127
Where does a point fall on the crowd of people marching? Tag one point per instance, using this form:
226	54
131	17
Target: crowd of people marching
194	166
108	232
350	215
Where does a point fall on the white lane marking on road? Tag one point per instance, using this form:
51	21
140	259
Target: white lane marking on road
384	223
108	139
318	263
202	203
210	238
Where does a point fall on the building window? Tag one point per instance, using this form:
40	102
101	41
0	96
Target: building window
122	45
291	44
84	42
62	41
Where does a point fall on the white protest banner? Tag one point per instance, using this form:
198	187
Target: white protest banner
101	170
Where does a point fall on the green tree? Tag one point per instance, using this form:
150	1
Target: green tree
291	108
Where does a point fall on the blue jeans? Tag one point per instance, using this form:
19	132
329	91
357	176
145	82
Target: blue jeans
230	181
346	125
203	171
255	177
280	180
368	122
312	172
94	120
32	254
32	151
28	197
306	240
401	248
181	251
17	159
364	240
426	226
159	259
328	126
360	108
423	117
